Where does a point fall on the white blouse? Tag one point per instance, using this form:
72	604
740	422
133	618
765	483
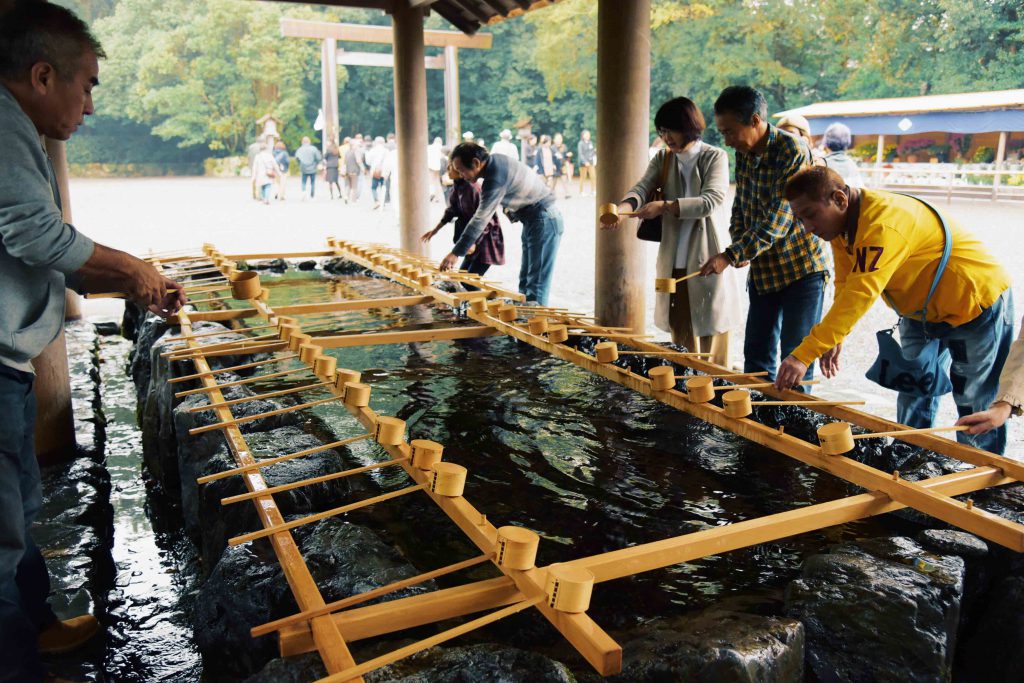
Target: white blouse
686	160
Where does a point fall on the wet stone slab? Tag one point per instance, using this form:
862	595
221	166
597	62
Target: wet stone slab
871	615
247	588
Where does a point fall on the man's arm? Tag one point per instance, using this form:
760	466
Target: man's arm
490	199
112	270
32	229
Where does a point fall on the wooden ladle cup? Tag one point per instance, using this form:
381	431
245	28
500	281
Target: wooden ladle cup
610	214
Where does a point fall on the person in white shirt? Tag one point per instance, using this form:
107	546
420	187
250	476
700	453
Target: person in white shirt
375	160
505	145
703	310
389	169
434	166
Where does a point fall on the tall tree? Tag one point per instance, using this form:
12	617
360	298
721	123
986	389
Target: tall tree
203	73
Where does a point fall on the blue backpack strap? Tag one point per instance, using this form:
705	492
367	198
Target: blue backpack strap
947	249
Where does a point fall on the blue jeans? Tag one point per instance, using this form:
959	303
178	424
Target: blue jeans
542	231
376	185
265	192
975	353
311	177
781	320
24	580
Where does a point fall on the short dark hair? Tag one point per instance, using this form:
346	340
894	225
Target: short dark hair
34	31
465	152
743	102
681	115
817	183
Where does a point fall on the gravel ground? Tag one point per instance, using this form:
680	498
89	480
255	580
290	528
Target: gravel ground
159	214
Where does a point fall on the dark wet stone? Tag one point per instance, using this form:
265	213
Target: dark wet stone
341	266
715	645
990	652
72	531
152	373
870	615
307	265
346	559
278	265
108	329
448	286
84	375
147	329
131	319
245	589
953	542
473	663
214	523
193	450
1005	501
300	669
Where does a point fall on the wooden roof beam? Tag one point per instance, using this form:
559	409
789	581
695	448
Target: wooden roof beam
320	30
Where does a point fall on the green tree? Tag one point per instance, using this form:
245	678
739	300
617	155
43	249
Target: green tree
203	73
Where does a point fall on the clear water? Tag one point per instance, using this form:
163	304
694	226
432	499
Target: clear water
149	632
589	465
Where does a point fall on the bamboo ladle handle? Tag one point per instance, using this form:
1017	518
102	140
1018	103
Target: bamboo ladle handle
426	643
922	430
117	295
809	403
686	277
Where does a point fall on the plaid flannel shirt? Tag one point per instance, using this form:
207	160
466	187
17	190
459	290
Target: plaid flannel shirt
763	228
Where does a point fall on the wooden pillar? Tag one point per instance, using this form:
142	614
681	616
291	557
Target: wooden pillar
623	124
452	116
1000	159
879	158
411	125
329	90
55	423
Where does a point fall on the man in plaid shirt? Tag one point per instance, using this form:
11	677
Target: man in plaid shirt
787	264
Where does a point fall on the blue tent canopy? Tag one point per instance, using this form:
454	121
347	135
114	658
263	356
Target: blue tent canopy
1009	120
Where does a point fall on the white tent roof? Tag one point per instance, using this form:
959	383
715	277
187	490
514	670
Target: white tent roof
972	101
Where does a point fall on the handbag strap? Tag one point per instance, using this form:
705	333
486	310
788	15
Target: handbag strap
947	249
665	165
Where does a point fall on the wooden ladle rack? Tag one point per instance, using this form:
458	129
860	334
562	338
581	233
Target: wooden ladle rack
560	592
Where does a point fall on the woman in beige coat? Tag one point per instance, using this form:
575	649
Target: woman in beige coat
702	311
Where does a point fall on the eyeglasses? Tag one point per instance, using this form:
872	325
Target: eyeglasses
662	132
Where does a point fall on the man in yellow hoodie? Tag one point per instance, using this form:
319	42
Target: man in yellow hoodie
890	245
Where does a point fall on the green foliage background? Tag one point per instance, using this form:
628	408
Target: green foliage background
187	80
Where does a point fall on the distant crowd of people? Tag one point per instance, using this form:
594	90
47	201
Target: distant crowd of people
363	163
359	164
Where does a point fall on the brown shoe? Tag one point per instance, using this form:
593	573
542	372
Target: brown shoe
65	636
54	678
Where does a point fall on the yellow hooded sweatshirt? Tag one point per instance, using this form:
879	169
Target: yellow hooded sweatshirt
896	249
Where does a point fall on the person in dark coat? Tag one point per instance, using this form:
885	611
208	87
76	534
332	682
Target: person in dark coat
463	201
331	161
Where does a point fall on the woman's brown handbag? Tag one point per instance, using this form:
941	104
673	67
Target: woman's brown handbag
649	229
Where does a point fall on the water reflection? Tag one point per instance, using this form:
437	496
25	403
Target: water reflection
150	633
588	464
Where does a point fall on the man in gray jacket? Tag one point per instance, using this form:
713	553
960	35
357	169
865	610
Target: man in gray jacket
48	68
527	199
309	158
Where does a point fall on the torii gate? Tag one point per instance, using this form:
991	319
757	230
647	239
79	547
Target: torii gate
331	56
